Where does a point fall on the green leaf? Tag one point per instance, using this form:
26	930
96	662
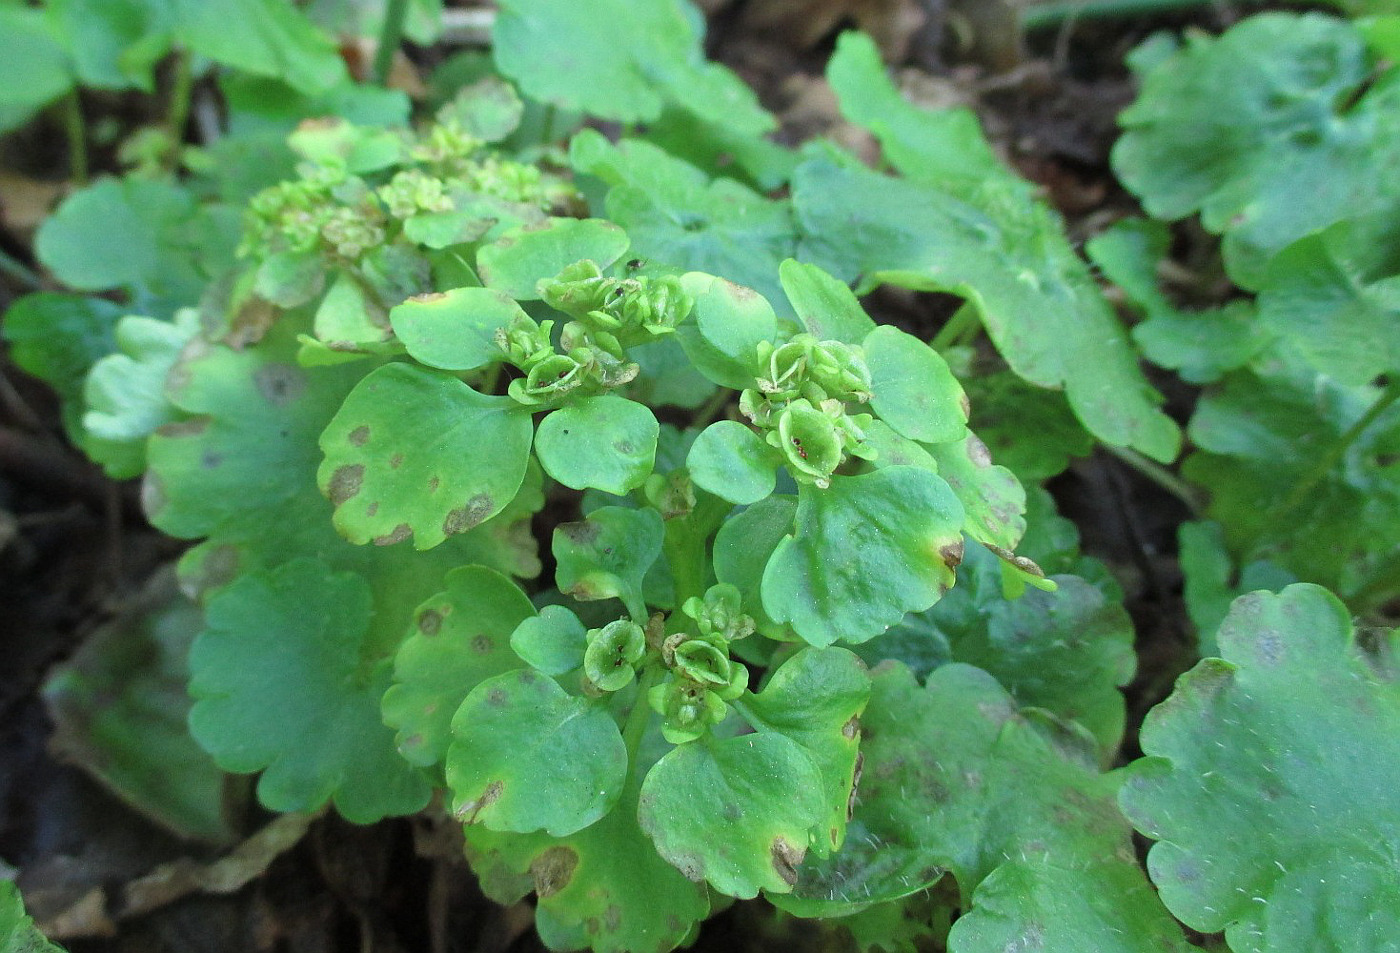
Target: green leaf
1336	295
1084	903
827	307
1031	432
865	551
489	109
17	931
607	443
262	105
265	37
1010	259
722	150
518	260
350	318
527	756
914	391
57	338
994	502
1067	651
1210	580
943	147
604	886
242	470
119	708
404	456
1267	779
743	546
454	330
607	555
734	463
1264	433
815	699
1199	345
35	69
757	796
955	779
460	637
674	214
1270	131
115	44
552	642
125	392
730	321
619	60
668	376
279	688
158	244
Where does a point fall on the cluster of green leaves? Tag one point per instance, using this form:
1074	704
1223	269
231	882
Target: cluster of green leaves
354	368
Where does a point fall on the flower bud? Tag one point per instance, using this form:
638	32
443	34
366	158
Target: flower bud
613	653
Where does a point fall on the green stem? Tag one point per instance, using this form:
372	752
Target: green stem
181	91
964	323
1159	475
635	728
1328	460
711	409
390	36
16	269
1043	16
77	138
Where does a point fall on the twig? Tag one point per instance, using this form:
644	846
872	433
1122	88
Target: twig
1159	475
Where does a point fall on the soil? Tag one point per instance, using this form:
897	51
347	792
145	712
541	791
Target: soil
75	550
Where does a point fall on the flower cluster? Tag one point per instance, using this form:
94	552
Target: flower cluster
702	678
801	402
342	214
608	315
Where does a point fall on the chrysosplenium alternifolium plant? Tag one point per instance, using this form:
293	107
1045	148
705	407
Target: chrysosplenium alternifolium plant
425	337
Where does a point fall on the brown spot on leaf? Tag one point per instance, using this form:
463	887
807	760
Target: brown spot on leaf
482	644
855	785
428	297
964	405
280	384
210	460
580	534
184	428
951	553
433	484
219	567
496	698
372	509
463	518
553	869
396	461
785	858
468	812
345	483
397	535
977	451
430	622
850	729
359	436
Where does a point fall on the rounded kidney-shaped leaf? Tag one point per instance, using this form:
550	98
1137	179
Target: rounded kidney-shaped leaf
460	637
604	443
735	812
914	391
418	452
1270	782
279	687
867	550
515	262
732	462
527	756
454	330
